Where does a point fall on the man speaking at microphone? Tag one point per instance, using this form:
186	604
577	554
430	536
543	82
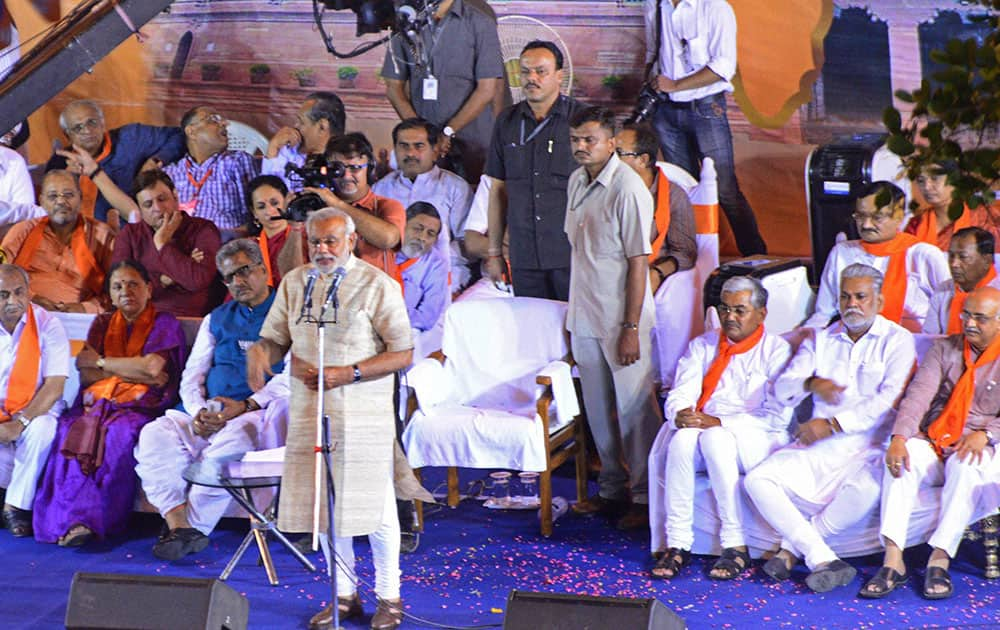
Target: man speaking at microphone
367	339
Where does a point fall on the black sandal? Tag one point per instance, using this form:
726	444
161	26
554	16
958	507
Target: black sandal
672	560
733	561
885	582
938	576
777	568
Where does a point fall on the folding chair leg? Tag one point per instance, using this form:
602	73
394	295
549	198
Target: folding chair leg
453	496
581	463
418	504
545	500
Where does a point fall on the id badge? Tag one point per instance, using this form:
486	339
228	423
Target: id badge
430	89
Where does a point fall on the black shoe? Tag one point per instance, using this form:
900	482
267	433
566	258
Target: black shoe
180	542
18	521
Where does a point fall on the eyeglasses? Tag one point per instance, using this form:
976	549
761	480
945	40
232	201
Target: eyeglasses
979	318
356	168
90	123
738	311
627	153
215	119
67	195
878	217
242	273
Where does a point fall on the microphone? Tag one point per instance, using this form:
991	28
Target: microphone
307	300
331	292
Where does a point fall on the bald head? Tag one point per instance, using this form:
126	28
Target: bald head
980	322
14	295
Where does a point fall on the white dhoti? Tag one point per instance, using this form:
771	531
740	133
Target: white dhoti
22	461
723	453
811	493
964	484
168	445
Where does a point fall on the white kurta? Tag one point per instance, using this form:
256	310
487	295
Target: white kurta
926	270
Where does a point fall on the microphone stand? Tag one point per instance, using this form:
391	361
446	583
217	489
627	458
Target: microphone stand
324	455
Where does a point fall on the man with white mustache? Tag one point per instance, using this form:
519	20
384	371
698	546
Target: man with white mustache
828	479
944	435
913	270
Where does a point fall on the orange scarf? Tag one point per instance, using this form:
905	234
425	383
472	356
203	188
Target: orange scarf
266	253
86	264
117	343
403	266
726	351
927	229
24	372
662	216
947	428
958	301
894	285
88	189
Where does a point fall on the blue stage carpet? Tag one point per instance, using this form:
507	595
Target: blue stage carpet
470	558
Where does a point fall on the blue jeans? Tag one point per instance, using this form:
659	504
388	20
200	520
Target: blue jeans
691	131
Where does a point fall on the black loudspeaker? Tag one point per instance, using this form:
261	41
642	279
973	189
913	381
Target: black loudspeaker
531	611
109	600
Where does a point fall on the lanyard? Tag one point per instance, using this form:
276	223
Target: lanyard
534	133
198	184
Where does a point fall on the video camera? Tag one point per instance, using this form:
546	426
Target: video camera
378	15
315	172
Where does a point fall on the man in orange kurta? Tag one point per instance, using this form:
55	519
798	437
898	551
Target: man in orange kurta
65	254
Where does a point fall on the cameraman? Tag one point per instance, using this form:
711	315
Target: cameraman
691	54
379	221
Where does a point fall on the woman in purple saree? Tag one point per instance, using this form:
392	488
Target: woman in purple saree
129	375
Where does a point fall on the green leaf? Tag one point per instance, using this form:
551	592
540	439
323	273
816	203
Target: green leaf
899	145
892	120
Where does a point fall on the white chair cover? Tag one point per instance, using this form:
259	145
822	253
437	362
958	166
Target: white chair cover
478	409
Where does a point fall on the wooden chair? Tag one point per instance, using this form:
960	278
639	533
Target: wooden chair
498	396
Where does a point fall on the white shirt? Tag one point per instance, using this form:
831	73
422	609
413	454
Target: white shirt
939	311
693	35
478	218
926	270
447	192
874	370
276	166
744	395
199	362
17	195
52	341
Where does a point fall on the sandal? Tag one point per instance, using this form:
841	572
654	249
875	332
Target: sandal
835	573
938	576
673	561
884	582
76	536
777	568
732	562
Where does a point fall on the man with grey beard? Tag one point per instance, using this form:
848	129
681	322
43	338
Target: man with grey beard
827	480
423	272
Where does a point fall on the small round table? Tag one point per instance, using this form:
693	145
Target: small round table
239	479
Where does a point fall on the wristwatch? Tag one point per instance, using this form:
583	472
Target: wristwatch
357	373
20	417
990	439
99	363
449	131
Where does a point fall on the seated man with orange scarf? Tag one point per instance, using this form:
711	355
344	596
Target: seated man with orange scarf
34	363
65	253
723	419
945	434
933	224
827	480
970	257
129	375
912	270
